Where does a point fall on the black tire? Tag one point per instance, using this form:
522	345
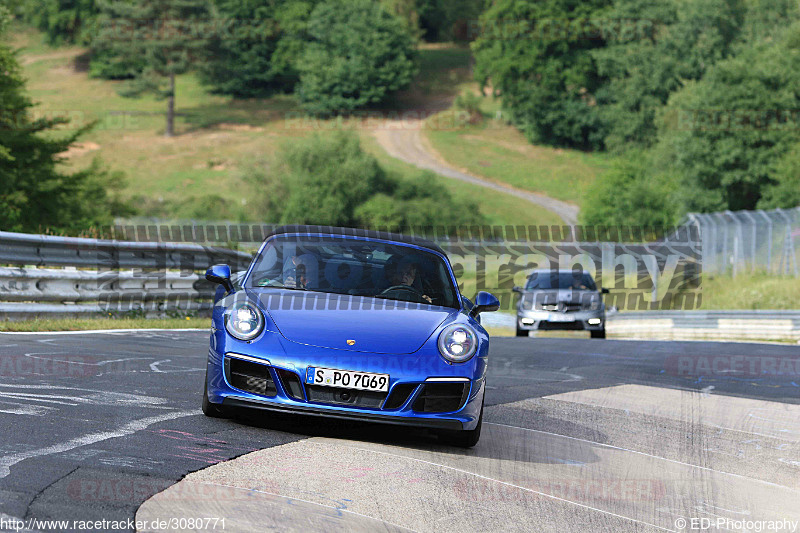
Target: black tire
212	410
599	334
464	438
522	333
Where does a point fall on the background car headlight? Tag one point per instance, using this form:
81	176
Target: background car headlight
245	322
458	343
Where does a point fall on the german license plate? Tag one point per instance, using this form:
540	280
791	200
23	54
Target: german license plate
560	317
347	379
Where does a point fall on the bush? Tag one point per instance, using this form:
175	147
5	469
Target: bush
629	195
330	180
357	55
784	192
471	104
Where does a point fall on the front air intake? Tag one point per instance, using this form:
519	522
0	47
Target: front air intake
250	377
441	397
291	383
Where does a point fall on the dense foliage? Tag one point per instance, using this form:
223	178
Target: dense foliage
356	55
254	51
35	194
698	96
63	21
655	49
722	136
331	180
537	54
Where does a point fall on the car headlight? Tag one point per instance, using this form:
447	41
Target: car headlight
458	343
245	322
595	305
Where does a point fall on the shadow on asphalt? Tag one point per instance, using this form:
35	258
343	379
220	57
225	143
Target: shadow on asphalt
491	445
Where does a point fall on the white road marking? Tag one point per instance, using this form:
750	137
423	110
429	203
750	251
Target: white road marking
99	396
154	366
131	427
43	398
94	331
26	410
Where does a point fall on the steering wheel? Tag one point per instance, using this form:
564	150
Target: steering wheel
404	288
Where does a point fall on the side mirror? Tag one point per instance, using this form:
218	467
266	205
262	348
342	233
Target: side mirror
220	274
518	290
484	302
604	291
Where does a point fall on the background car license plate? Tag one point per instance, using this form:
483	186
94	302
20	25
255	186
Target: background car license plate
347	379
560	317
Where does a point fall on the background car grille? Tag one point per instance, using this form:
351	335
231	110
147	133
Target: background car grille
337	396
562	308
250	377
399	395
441	397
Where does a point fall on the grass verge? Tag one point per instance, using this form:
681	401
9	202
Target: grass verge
83	324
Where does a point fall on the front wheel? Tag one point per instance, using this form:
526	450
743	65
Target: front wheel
599	334
522	332
464	438
212	410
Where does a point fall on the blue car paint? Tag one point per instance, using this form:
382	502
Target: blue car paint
295	339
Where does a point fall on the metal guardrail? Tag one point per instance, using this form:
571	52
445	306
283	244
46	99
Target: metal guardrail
689	325
49	250
707	325
102	276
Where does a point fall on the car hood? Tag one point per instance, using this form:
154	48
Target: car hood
331	320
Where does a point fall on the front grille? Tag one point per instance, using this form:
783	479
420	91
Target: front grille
291	383
568	326
441	397
351	397
399	395
250	377
562	308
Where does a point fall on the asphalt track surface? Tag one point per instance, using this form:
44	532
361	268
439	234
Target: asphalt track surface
579	435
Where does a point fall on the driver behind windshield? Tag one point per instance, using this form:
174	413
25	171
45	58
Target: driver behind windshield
403	273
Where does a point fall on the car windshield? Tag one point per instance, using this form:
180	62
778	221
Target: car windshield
355	267
560	280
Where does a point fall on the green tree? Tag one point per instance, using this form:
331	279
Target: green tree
169	37
721	137
654	49
357	55
255	53
35	195
63	21
537	54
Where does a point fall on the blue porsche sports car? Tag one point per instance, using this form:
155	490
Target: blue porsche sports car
349	324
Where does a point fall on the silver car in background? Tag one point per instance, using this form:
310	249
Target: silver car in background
561	300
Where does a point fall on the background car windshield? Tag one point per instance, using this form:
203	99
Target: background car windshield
354	267
561	280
